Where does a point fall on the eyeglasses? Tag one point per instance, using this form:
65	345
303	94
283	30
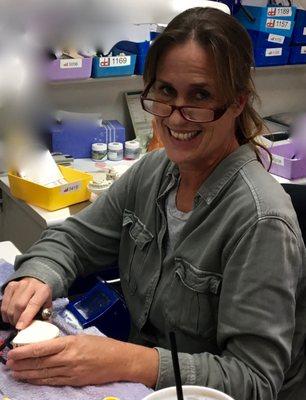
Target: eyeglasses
192	114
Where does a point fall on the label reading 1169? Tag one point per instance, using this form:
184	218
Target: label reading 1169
118	61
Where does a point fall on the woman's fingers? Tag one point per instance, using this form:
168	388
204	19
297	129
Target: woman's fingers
40	298
23	299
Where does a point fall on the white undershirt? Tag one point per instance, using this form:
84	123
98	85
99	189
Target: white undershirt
176	220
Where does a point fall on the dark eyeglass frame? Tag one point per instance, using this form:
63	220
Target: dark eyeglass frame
218	113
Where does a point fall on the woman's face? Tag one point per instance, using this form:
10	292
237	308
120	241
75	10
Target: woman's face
186	76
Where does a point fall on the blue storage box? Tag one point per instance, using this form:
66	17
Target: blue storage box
75	138
140	49
299	31
264	39
297	55
116	65
268	56
275	20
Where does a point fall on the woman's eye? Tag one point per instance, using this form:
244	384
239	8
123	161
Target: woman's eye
167	91
202	95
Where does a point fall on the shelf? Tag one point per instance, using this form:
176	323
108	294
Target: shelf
95	80
92	81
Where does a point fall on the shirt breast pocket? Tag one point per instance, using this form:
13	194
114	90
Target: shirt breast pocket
192	304
135	241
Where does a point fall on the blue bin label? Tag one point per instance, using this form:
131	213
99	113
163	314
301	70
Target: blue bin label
278	24
303	50
274	52
304	31
72	63
276	38
71	187
279	12
118	61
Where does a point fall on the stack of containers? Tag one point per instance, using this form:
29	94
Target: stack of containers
298	45
270	29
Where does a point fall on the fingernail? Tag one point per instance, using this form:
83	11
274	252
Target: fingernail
19	325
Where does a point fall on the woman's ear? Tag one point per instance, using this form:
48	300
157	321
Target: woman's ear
239	104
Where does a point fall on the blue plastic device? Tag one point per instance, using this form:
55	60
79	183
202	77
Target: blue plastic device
102	307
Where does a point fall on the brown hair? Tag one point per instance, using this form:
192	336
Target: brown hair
231	47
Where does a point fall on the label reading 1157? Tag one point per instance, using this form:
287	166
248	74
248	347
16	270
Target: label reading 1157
278	24
118	61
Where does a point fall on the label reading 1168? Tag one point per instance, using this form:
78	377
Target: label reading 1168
118	61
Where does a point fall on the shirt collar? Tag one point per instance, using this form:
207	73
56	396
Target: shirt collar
225	171
222	174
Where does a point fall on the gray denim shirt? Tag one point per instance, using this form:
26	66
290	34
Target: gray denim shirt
233	289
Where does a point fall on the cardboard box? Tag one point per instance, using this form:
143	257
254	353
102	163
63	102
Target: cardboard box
76	138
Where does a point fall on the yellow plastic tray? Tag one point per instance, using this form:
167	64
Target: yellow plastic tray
52	198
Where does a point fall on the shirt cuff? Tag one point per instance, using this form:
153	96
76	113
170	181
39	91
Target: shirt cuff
166	374
37	268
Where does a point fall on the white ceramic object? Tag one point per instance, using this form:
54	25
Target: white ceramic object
38	331
190	393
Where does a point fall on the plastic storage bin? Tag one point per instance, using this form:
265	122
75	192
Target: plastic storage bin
62	69
140	49
116	65
285	163
52	198
297	55
269	56
299	31
264	39
275	20
76	138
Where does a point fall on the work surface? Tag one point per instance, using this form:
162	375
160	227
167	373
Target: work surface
23	391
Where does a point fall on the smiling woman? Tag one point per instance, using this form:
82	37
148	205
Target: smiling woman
203	248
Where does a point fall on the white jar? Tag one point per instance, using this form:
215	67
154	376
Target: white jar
115	151
132	150
99	151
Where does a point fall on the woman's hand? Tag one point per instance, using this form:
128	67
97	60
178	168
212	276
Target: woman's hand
83	360
23	299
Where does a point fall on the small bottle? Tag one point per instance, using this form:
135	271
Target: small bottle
99	151
132	150
115	151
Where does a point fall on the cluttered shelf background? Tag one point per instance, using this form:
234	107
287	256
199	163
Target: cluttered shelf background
280	88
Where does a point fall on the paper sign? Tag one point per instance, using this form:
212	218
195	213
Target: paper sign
278	160
71	187
279	12
118	61
304	31
303	50
276	38
278	51
71	63
278	24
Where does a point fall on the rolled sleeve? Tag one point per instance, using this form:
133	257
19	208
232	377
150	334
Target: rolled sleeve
166	374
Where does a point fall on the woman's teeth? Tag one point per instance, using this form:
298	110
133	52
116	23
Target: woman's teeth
183	136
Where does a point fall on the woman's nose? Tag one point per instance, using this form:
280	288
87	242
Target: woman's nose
176	118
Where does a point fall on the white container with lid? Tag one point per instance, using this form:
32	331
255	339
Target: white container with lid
99	151
132	150
115	151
